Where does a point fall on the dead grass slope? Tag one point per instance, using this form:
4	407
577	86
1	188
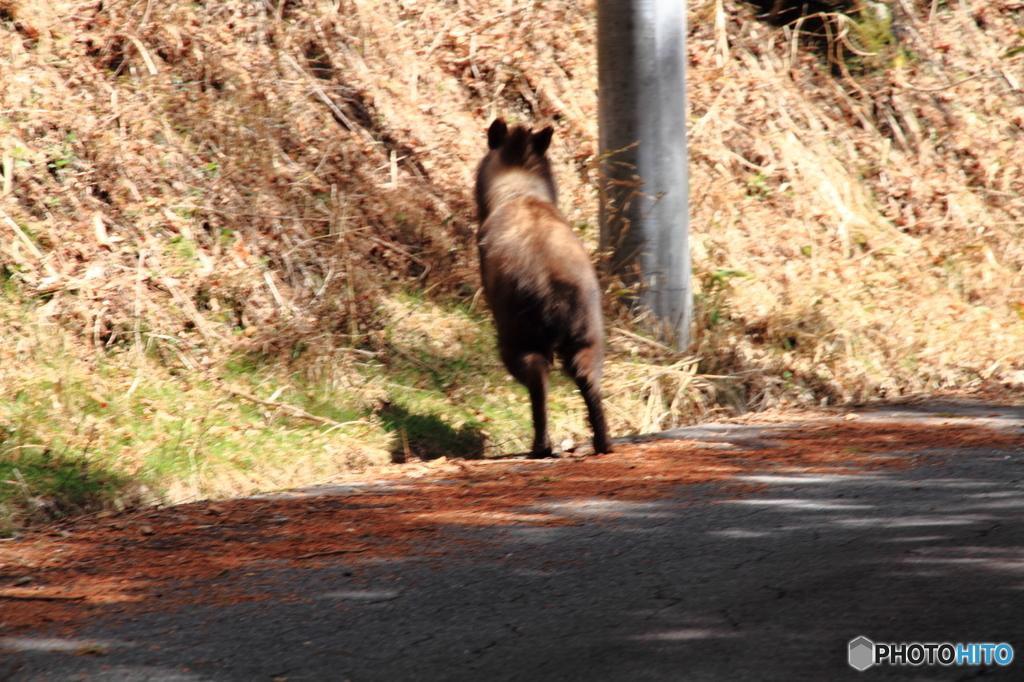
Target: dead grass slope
859	216
189	171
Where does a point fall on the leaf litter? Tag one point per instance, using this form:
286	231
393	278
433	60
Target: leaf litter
198	553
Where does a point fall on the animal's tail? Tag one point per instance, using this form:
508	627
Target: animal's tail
565	312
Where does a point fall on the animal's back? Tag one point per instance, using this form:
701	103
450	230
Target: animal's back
537	275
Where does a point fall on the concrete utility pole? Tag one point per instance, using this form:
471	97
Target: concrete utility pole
641	58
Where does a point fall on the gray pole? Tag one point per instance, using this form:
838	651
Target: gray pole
641	58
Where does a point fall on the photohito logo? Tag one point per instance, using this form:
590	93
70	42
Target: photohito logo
864	653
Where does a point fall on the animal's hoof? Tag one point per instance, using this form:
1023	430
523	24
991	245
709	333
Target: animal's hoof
542	453
602	448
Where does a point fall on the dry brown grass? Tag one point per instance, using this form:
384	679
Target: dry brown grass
185	183
879	217
191	171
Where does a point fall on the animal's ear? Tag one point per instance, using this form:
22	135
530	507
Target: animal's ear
496	133
542	140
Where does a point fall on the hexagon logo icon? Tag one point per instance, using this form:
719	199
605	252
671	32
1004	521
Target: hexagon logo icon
862	653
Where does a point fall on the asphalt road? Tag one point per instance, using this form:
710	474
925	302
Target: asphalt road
769	585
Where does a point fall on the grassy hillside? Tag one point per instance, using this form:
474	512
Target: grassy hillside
236	239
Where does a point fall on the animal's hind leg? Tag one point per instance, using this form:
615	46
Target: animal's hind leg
584	366
532	369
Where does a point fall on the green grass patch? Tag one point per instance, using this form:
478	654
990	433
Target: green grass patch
81	432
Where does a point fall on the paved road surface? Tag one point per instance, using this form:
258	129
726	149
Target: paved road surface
771	585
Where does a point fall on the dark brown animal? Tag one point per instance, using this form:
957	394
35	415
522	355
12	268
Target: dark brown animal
538	278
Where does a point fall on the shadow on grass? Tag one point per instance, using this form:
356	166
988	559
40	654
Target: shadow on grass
38	485
427	436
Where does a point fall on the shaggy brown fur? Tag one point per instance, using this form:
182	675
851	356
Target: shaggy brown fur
538	278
